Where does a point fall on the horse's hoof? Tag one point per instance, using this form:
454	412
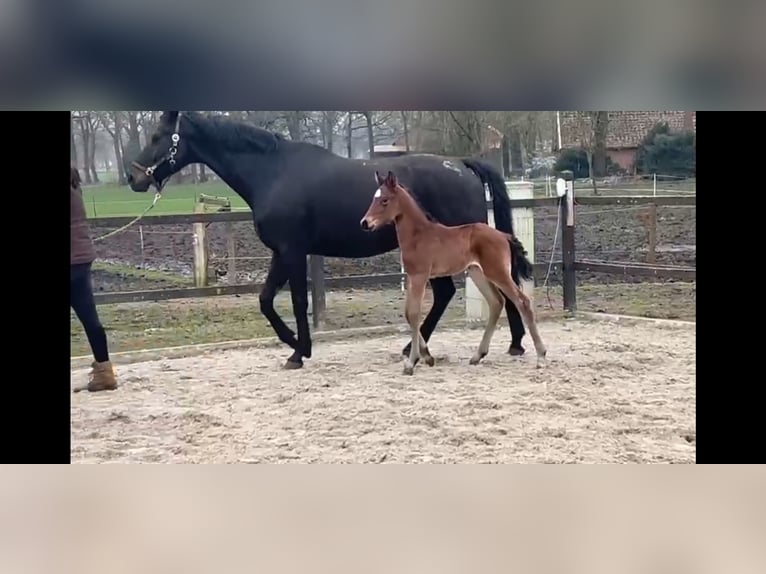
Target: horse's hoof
408	370
291	365
477	358
516	351
430	361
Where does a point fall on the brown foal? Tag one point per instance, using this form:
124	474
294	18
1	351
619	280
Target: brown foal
430	249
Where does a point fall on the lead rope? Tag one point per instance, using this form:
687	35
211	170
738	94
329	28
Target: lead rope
124	227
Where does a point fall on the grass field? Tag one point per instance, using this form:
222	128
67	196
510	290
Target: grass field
114	201
109	200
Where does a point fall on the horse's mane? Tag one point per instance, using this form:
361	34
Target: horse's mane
236	136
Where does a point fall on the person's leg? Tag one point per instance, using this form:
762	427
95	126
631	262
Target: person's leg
81	300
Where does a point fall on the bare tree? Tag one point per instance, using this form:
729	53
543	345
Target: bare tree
585	129
406	132
72	144
349	133
112	123
370	133
600	131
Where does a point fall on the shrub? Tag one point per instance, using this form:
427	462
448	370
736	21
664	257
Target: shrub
666	152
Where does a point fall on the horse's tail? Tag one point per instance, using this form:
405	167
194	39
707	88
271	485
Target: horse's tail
501	205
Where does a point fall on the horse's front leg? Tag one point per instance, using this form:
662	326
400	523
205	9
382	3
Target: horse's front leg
299	294
275	280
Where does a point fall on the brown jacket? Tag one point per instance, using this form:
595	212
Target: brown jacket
81	245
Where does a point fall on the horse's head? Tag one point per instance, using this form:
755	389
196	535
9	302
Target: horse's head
165	154
385	207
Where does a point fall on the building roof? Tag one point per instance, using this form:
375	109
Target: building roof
627	129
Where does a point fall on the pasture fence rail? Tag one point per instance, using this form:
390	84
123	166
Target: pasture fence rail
319	282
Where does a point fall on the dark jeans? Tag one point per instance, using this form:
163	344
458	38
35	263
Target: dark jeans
81	300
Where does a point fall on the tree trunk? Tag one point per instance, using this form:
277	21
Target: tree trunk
589	154
85	131
600	129
328	126
116	136
134	144
406	132
72	144
554	133
349	133
514	143
418	127
194	176
92	154
505	151
202	173
294	125
370	135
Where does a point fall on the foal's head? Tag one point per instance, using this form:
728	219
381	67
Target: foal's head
386	204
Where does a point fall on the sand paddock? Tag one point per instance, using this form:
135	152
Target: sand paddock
612	392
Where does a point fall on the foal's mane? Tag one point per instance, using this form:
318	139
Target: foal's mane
419	205
234	135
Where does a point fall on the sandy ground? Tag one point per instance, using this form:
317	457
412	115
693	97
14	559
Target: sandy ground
612	392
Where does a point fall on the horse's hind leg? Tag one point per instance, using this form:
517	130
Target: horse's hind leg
495	302
508	287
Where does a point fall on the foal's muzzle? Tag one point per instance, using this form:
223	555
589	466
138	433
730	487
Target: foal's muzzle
365	226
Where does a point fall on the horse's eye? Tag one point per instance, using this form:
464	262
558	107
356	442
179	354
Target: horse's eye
384	202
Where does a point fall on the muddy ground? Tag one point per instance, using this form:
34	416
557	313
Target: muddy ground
612	392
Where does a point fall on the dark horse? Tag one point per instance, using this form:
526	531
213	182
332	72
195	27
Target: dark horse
308	201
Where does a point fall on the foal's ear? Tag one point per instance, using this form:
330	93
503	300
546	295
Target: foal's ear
391	180
379	179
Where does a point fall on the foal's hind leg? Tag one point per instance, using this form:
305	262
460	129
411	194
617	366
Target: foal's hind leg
495	302
508	287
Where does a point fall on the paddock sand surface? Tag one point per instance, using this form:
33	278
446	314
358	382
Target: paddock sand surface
612	392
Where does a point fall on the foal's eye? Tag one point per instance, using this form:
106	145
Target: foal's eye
384	202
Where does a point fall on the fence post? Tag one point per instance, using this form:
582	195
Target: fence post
318	296
475	305
200	249
231	251
568	243
524	227
651	225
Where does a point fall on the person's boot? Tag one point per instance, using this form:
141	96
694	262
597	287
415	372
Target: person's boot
101	378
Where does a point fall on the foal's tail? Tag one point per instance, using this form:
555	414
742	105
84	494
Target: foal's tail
519	261
501	205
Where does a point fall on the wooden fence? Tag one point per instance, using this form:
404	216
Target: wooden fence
318	282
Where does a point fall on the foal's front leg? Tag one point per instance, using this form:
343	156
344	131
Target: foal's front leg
416	289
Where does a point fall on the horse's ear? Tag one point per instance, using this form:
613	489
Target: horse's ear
169	117
391	180
379	179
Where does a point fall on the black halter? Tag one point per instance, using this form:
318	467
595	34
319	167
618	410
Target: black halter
170	157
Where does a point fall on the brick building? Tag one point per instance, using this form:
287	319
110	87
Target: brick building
626	130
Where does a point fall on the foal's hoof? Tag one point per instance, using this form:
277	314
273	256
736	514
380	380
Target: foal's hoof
476	358
541	360
516	351
291	365
408	369
430	361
